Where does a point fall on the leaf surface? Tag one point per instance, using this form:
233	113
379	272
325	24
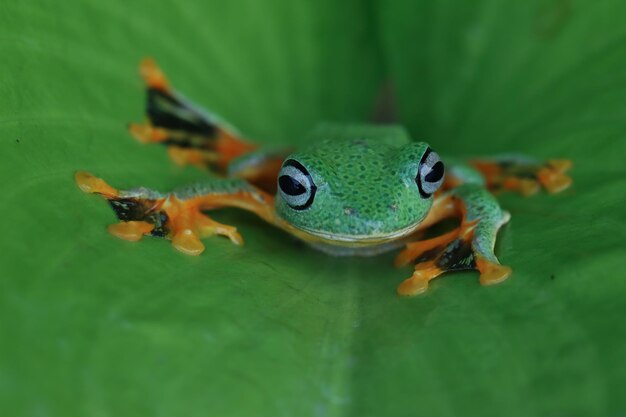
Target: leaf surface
95	326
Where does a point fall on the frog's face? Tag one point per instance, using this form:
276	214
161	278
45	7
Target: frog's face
358	190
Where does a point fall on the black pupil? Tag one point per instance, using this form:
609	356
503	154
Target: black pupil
436	173
290	186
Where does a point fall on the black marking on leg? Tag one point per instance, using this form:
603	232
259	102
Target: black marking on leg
159	220
134	209
131	209
190	142
457	256
513	168
167	111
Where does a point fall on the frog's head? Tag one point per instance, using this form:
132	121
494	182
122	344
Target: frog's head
358	191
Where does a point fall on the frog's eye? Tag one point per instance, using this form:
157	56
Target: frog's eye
429	174
296	185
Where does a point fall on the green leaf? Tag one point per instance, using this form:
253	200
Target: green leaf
91	325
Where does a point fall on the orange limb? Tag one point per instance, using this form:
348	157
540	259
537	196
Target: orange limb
414	250
90	184
491	273
215	153
525	177
194	157
152	75
180	220
553	177
229	147
188	224
436	265
467	247
444	206
131	230
146	133
193	136
523	186
418	282
262	174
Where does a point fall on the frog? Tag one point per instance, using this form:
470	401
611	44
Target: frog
353	190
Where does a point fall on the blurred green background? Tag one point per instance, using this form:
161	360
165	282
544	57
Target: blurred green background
93	326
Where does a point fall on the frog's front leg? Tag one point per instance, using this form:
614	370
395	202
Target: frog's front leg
523	174
179	215
468	247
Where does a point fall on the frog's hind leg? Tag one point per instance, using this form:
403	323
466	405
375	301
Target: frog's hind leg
524	175
468	247
179	215
192	135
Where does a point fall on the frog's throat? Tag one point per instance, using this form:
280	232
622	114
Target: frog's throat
316	236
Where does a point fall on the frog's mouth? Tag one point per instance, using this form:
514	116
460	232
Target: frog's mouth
334	239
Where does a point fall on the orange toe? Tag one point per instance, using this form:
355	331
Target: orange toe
418	283
412	286
554	181
131	231
188	243
152	74
146	133
492	273
91	184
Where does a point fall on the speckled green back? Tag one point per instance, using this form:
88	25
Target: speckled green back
365	178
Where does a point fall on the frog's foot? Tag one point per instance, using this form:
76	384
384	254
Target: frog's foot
187	224
418	282
140	211
491	272
415	250
433	257
145	212
132	230
453	251
139	214
524	175
183	156
192	135
552	175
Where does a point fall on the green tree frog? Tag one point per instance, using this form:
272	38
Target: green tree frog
357	190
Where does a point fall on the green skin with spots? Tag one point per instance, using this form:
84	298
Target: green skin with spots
366	190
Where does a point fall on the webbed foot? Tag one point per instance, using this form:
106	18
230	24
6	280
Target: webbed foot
144	212
491	273
525	176
433	257
418	282
192	135
468	247
131	231
188	224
